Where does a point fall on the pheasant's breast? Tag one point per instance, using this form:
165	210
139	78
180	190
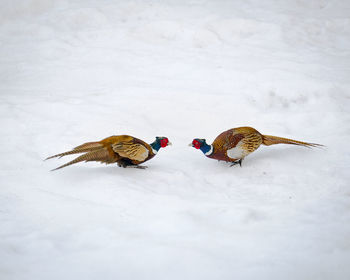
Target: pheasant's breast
236	153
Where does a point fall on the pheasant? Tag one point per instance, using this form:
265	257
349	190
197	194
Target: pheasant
235	144
125	150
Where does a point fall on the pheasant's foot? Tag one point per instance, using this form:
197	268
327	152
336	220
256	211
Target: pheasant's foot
124	164
237	162
137	166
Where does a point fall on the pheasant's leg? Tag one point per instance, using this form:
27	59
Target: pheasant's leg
137	166
124	163
237	162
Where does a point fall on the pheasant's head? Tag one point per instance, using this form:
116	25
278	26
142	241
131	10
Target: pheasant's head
202	145
163	141
198	143
160	142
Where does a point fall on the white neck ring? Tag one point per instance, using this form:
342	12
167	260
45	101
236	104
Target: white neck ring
210	151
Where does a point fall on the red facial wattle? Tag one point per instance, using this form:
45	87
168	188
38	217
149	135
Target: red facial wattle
196	144
164	142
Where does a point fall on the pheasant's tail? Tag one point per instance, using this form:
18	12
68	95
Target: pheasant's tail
272	140
87	147
101	155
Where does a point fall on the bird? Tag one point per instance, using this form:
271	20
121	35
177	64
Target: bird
125	150
235	144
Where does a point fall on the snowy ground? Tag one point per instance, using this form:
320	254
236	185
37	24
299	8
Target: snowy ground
78	71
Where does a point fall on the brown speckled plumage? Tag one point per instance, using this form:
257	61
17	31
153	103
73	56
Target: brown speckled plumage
235	144
122	149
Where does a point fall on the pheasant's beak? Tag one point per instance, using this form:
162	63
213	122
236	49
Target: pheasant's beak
169	144
190	145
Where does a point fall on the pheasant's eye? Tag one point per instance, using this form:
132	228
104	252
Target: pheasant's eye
164	142
196	144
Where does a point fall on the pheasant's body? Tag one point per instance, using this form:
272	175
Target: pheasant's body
122	149
235	144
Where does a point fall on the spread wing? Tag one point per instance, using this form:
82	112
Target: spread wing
133	151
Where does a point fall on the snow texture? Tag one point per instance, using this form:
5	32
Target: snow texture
82	70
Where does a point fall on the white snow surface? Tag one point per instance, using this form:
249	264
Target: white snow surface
82	70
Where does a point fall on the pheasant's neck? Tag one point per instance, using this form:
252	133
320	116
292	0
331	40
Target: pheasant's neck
155	147
207	149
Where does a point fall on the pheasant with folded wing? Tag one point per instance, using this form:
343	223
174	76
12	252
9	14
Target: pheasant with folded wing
235	144
125	150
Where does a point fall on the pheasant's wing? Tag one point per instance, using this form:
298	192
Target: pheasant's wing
133	151
251	142
231	140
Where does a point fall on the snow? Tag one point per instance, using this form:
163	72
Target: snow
79	71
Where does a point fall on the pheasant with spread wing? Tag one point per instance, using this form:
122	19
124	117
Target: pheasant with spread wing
125	150
235	144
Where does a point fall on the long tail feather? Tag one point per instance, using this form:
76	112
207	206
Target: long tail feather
272	140
78	159
67	153
101	155
87	147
